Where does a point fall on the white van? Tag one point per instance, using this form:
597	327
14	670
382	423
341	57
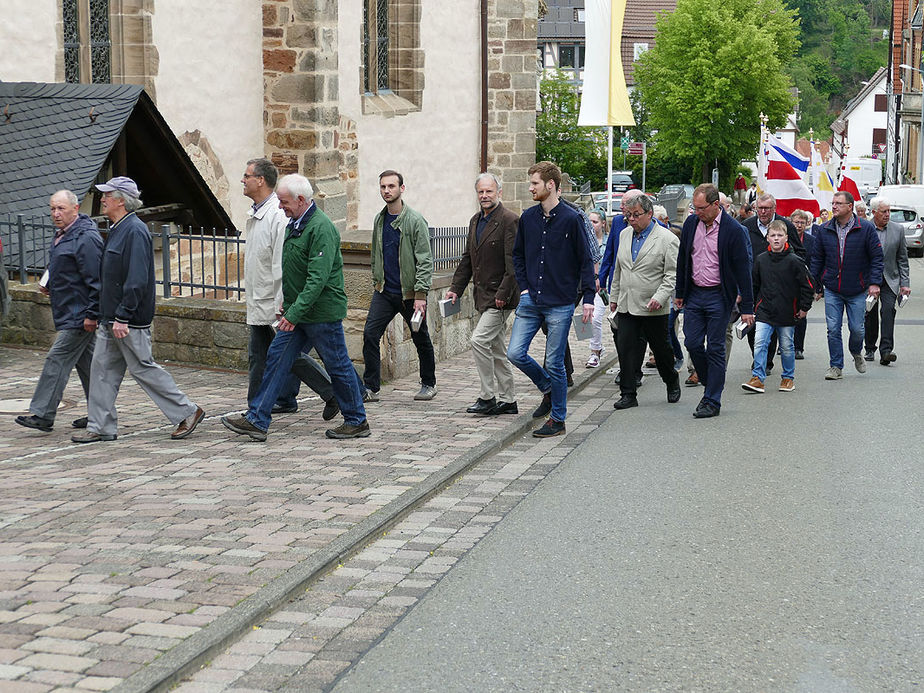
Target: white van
866	173
908	210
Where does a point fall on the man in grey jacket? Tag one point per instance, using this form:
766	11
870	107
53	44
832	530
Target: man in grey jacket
73	289
896	281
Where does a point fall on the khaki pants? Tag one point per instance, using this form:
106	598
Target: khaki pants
490	353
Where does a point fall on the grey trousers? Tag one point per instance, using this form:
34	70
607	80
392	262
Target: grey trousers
110	359
489	349
72	348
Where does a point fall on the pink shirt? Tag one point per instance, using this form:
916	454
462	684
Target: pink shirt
706	253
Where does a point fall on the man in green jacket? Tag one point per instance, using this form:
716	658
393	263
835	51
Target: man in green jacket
314	305
402	269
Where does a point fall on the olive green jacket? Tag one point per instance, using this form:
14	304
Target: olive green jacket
415	261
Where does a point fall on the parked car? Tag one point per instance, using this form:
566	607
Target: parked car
913	226
599	201
908	210
622	181
676	198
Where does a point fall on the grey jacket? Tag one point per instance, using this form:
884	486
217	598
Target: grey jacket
895	270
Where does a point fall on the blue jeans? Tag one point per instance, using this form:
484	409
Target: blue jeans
835	304
551	379
327	338
705	321
762	333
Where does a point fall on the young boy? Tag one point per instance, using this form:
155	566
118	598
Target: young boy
782	296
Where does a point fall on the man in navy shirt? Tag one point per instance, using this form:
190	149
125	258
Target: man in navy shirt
552	261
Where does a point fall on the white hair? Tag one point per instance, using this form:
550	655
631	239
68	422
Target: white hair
132	204
878	202
68	195
660	213
489	176
296	185
859	206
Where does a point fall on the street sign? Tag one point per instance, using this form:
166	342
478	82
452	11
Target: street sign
624	142
636	148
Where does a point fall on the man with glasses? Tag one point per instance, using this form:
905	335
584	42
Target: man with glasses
896	282
643	280
847	267
713	270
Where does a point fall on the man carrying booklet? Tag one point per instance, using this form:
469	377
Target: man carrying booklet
552	262
896	282
846	268
488	263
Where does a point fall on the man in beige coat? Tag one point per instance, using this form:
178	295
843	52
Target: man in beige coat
643	280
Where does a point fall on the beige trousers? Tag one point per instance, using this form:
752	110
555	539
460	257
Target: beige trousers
490	352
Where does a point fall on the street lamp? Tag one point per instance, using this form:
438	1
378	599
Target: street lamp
921	130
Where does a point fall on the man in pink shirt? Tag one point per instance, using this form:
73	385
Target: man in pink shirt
713	269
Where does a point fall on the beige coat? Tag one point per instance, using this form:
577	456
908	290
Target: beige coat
652	275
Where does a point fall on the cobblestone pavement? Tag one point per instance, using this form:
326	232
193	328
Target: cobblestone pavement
310	641
112	554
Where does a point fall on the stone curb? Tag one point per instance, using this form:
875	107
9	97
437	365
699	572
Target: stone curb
197	649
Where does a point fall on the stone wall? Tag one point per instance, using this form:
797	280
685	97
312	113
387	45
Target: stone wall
512	95
214	333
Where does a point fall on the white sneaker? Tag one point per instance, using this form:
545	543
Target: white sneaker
859	363
593	361
833	373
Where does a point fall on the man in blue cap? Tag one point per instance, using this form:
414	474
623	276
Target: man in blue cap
126	310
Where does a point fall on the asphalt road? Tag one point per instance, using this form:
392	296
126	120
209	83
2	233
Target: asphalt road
779	547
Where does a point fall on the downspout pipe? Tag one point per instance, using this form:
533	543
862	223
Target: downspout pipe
484	86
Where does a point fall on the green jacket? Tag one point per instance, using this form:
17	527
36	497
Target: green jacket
415	260
312	272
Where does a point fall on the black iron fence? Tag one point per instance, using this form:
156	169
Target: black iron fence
191	263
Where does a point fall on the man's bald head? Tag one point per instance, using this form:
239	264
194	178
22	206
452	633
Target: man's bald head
64	208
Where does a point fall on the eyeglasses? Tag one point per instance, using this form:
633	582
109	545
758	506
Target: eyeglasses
634	215
250	175
840	204
764	209
704	207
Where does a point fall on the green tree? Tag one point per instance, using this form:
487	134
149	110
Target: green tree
714	68
578	151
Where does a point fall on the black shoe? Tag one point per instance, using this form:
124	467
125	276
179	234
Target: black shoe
504	408
673	393
80	423
36	422
544	407
482	406
570	380
706	410
91	437
870	354
279	409
638	382
550	429
888	359
626	402
769	368
346	430
331	409
799	355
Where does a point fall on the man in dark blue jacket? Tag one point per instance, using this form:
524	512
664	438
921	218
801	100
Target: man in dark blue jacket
847	266
125	315
552	263
713	271
73	289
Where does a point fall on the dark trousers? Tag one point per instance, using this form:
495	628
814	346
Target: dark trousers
261	336
705	321
799	335
771	348
383	308
672	333
633	332
642	345
887	313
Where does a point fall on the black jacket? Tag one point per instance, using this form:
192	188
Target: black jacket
127	274
759	241
781	287
73	275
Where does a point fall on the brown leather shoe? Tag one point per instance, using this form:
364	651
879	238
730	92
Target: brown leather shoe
753	385
787	385
188	425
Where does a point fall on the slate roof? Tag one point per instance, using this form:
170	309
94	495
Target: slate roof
67	136
55	136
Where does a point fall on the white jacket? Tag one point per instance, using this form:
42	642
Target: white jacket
264	235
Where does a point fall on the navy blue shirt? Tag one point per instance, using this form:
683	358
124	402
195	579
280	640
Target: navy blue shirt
482	223
391	238
551	258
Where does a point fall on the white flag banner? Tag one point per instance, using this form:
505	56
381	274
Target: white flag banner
604	98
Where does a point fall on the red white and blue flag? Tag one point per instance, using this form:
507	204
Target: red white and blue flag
780	173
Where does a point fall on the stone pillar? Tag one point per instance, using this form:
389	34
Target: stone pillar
512	95
301	117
